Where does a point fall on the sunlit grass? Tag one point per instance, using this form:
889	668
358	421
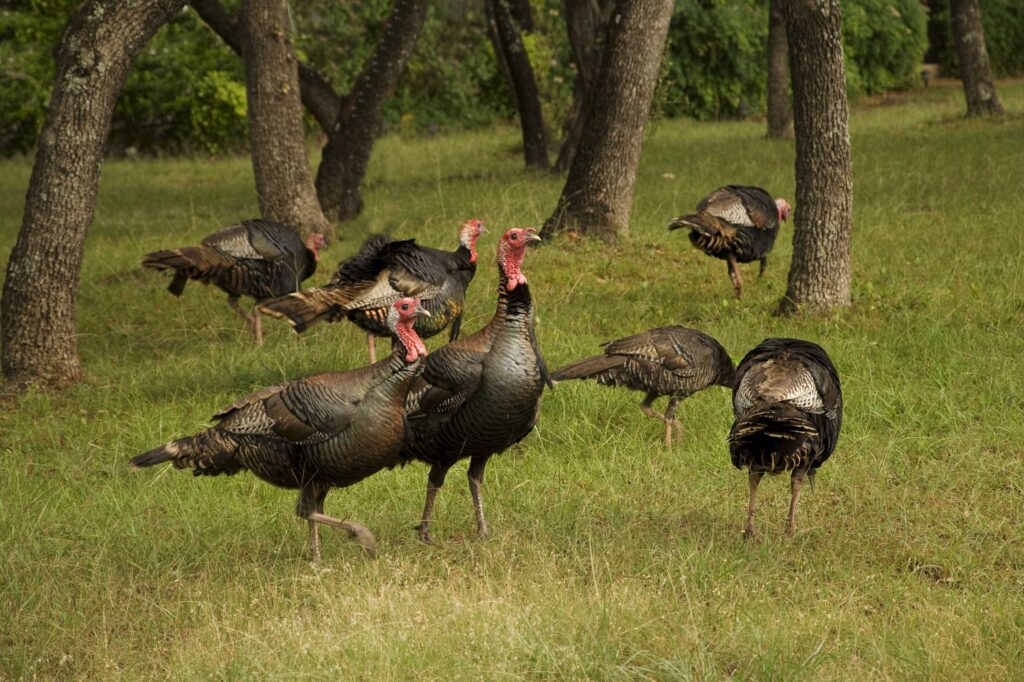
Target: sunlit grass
611	558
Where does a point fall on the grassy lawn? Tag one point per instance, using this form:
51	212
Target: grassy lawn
610	557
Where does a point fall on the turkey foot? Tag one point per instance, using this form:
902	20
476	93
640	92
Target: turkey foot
252	319
734	275
358	531
749	533
670	421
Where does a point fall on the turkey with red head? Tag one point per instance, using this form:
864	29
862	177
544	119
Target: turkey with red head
324	431
480	394
382	271
789	409
672	361
257	258
737	224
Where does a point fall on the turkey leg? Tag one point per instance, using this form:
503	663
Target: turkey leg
371	341
670	420
358	531
476	482
764	264
748	531
435	479
734	275
795	483
252	319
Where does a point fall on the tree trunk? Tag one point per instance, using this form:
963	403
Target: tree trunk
347	152
38	305
318	96
780	114
598	193
971	52
585	22
819	275
277	136
504	31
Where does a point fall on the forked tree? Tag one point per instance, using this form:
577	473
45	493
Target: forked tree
598	193
819	275
37	312
277	137
972	53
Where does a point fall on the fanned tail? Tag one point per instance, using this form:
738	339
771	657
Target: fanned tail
587	368
305	308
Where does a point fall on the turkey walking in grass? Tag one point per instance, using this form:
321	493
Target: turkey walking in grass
789	409
480	394
383	271
737	224
672	361
257	258
323	431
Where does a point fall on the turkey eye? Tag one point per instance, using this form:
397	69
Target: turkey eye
405	306
515	236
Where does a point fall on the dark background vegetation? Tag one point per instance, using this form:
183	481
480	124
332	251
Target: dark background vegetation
187	91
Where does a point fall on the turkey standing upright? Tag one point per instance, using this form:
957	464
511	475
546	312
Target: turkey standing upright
672	361
257	258
382	271
737	224
789	409
480	394
324	431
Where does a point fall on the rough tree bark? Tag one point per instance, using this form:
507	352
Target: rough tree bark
504	26
598	193
819	274
347	152
38	305
585	23
780	113
972	53
277	137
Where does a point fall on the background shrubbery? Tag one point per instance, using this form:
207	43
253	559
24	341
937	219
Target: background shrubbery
187	94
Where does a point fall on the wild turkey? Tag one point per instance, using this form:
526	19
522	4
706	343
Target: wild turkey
737	224
323	431
672	361
382	271
257	258
480	394
789	409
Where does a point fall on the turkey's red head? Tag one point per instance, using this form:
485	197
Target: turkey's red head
314	242
784	209
469	233
511	250
401	318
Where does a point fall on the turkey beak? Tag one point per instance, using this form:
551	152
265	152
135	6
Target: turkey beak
531	235
420	310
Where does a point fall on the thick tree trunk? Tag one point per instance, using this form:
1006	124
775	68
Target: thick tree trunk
504	30
318	96
38	306
347	152
585	22
819	275
277	136
598	193
971	52
780	113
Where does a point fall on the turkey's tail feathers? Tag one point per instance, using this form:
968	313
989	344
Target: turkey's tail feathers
773	437
188	262
588	368
208	453
305	308
690	221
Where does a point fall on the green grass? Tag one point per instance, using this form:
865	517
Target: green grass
611	558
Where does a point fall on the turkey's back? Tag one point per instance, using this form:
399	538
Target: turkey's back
268	259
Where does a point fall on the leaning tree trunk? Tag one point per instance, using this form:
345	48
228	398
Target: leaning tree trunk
780	114
971	52
38	306
277	137
819	275
585	22
511	53
598	193
347	152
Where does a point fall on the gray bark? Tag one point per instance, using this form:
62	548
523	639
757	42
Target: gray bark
819	275
598	192
284	183
780	113
972	53
39	293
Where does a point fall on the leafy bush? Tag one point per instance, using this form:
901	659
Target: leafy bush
884	43
1004	36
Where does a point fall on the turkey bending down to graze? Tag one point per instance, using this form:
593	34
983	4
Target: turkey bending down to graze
789	409
257	258
324	431
480	394
737	224
672	361
383	271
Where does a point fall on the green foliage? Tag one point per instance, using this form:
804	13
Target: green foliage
1003	21
884	42
218	112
